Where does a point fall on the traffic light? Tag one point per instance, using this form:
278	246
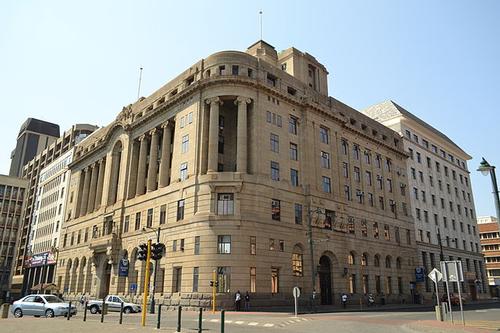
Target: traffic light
212	283
157	251
142	252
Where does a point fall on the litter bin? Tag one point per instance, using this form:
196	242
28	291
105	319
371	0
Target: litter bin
105	308
5	310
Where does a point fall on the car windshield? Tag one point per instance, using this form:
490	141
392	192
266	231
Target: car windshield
53	299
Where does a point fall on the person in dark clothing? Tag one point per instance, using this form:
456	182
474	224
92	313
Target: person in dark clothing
237	301
247	302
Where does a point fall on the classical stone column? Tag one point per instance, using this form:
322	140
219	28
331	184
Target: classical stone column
134	162
93	188
100	184
153	161
85	192
78	211
166	150
141	171
241	135
213	134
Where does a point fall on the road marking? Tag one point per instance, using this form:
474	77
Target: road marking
214	320
290	321
239	322
229	321
481	310
253	323
268	325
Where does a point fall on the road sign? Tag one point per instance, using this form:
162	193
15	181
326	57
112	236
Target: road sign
419	274
452	271
133	286
296	292
435	275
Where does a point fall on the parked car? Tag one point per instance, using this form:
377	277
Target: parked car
41	305
113	303
453	299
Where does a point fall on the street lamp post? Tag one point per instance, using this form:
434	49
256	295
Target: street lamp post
485	168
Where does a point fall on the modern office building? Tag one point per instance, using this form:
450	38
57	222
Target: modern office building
48	218
489	233
31	172
235	160
34	136
12	191
441	197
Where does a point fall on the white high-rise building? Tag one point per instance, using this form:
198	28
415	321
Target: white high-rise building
442	203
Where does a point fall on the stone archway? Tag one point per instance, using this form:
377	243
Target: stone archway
325	280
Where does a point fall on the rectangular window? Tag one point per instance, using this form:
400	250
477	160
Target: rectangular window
224	279
183	171
177	279
292	125
357	175
272	244
347	192
225	204
324	134
275	280
298	213
196	275
389	285
352	283
276	209
387	232
253	245
364	228
389	185
275	143
345	169
126	224
370	199
185	144
137	220
174	245
368	178
163	214
224	244
327	184
253	279
180	210
297	264
294	177
294	155
149	220
325	160
378	288
197	245
355	151
275	171
375	230
235	69
344	146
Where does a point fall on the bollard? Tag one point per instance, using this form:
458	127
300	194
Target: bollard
222	319
102	309
159	316
200	321
121	313
69	310
179	315
85	311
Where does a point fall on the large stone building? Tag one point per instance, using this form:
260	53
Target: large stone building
229	160
441	197
489	233
34	136
12	192
31	172
48	217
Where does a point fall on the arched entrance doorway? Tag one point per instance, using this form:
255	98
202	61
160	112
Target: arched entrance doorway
325	280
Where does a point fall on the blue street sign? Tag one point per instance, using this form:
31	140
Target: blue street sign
133	286
419	274
123	267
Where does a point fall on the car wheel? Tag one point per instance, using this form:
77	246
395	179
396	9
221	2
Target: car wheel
18	313
127	310
94	309
49	313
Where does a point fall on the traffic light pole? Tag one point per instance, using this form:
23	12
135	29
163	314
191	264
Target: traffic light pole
146	285
152	308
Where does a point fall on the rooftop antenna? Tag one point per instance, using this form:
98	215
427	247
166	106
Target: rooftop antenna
139	87
260	17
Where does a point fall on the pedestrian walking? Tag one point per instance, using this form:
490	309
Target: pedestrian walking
237	301
247	302
344	300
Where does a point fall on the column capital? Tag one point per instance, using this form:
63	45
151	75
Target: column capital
242	99
166	124
214	100
153	132
141	137
101	161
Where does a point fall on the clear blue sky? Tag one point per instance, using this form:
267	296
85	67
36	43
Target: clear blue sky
77	61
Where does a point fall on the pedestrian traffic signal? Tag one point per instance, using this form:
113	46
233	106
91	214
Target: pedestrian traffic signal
142	252
157	251
212	283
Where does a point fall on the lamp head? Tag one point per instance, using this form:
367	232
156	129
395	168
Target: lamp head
484	167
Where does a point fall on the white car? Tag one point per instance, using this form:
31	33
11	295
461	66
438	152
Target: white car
113	303
41	305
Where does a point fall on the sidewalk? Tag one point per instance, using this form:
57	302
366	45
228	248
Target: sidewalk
433	326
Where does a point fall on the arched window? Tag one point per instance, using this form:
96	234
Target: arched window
376	260
388	262
351	259
398	263
297	261
364	259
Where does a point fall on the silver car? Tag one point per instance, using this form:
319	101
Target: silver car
41	305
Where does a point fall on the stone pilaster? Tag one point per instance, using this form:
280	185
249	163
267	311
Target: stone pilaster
241	135
166	150
141	170
153	161
85	192
213	134
93	188
100	183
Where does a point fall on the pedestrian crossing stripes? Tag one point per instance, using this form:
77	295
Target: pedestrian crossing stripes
285	323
